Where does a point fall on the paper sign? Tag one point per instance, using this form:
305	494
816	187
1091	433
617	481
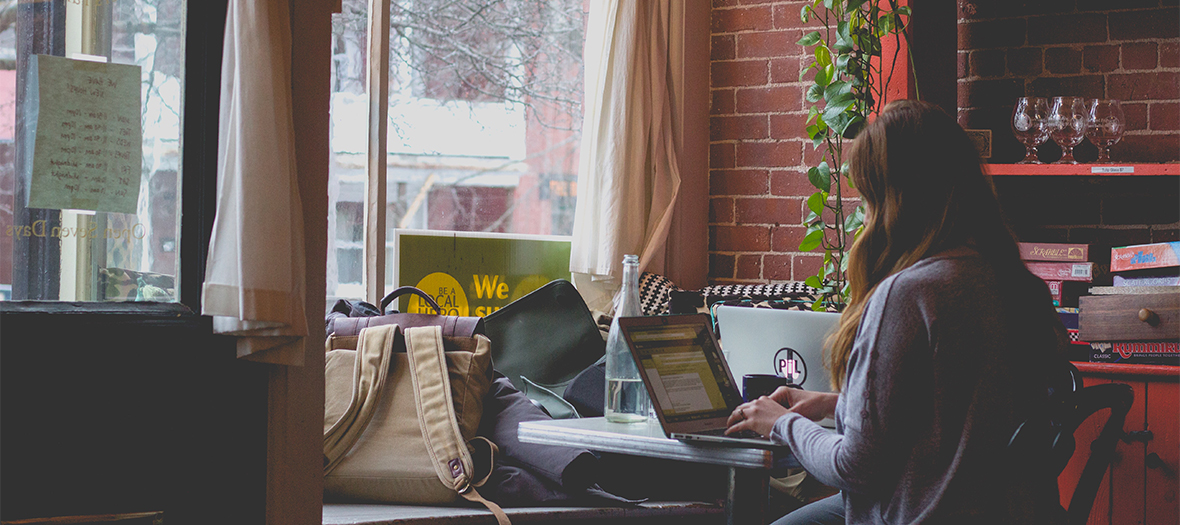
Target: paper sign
475	274
87	132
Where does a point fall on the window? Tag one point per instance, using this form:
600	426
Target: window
484	123
121	242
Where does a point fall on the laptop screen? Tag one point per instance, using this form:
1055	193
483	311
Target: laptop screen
683	368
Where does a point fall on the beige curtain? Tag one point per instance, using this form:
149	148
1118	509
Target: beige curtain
254	276
628	177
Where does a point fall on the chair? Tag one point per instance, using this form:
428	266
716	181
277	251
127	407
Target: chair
1048	438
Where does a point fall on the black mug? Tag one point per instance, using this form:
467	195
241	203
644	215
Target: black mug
755	386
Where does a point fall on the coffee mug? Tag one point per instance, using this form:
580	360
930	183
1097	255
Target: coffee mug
755	386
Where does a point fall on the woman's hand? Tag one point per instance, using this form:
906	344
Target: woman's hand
811	405
758	415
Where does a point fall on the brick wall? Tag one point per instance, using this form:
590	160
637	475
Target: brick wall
1007	48
757	176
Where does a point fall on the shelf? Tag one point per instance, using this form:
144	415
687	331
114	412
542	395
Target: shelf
1118	369
1096	170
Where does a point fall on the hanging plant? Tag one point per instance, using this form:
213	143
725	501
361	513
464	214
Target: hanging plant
848	85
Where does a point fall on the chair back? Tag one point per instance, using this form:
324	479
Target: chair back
1047	439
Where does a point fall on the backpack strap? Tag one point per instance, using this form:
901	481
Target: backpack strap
437	419
373	353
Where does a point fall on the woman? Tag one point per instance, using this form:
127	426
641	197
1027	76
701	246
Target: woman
943	350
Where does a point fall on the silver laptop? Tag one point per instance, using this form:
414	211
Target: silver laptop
686	376
788	343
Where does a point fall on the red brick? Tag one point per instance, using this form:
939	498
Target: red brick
775	99
806	265
964	68
721	266
1063	60
1170	54
1144	86
739	73
748	267
1147	148
726	3
739	182
785	239
741	19
1067	28
722	156
1140	55
766	45
777	267
788	127
1025	61
1145	24
812	156
1135	116
774	211
721	210
722	48
987	63
768	154
987	93
724	102
784	70
738	127
739	238
791	183
992	33
1100	59
1087	86
1165	116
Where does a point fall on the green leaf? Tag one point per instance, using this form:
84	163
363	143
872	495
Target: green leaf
854	220
811	241
812	131
853	127
903	10
842	62
813	281
803	73
885	24
837	117
816	201
855	4
805	13
810	39
823	75
815	92
835	89
811	216
812	112
823	57
820	178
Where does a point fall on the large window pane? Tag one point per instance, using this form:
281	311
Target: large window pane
484	120
88	254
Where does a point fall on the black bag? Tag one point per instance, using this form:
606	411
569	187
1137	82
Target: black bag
544	339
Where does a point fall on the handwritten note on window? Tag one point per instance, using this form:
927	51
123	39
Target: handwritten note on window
89	140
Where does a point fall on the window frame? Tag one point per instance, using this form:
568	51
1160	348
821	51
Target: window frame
204	41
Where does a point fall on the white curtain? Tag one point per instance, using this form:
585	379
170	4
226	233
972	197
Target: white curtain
255	272
628	176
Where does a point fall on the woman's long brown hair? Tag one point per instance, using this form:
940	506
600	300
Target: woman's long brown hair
924	191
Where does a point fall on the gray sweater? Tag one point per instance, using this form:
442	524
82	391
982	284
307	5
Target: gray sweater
934	390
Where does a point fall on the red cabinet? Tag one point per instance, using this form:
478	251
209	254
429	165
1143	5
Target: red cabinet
1141	486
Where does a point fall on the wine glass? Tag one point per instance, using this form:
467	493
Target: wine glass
1104	126
1029	125
1067	125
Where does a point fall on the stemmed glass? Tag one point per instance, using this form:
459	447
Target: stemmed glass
1067	125
1104	126
1029	119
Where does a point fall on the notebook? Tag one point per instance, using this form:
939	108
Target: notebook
788	343
686	377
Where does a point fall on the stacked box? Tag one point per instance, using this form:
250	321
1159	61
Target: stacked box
1065	268
1136	352
1155	264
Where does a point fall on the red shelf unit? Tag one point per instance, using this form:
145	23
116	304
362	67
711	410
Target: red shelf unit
1094	170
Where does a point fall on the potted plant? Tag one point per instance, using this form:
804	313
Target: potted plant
849	78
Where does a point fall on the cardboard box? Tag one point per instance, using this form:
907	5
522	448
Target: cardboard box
1136	352
1062	271
1050	251
1142	256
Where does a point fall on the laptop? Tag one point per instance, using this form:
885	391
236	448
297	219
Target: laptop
788	343
686	376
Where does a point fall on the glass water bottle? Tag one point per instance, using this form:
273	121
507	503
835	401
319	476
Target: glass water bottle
626	397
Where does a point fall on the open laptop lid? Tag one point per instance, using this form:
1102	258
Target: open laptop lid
756	341
684	371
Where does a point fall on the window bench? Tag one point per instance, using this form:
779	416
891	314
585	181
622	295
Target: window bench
661	513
